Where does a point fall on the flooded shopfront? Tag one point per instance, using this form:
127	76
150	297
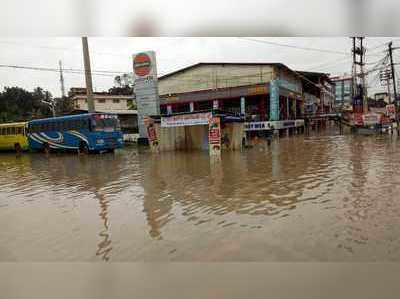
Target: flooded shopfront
326	197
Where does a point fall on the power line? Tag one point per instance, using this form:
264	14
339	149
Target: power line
66	70
293	46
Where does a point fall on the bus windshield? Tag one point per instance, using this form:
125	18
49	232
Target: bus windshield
105	123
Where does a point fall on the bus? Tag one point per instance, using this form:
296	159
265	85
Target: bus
13	137
85	133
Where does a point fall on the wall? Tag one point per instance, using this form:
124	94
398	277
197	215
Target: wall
196	137
233	133
108	105
206	77
182	138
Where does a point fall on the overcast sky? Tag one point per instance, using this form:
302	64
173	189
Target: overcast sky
114	55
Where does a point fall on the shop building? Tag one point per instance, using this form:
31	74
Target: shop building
343	90
267	96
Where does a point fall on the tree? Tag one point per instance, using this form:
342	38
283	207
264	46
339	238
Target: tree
18	104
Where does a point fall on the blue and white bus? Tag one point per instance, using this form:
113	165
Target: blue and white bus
95	132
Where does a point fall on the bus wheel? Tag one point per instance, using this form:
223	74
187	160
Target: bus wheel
83	148
17	148
46	148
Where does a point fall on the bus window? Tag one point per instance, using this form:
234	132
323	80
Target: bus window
84	124
19	131
105	124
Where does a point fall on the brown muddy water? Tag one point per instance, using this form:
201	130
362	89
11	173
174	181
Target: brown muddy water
304	198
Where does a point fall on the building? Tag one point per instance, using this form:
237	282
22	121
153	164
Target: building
319	93
121	104
268	95
343	90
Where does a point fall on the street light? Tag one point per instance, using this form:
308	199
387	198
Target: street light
52	105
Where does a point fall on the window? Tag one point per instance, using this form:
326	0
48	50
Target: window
19	130
11	130
116	101
101	100
163	109
84	124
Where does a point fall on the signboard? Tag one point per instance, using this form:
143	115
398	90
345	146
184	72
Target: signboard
146	87
371	119
358	105
274	100
186	120
391	111
289	85
272	125
358	119
151	133
214	136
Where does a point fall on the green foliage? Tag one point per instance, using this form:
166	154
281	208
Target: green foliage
18	104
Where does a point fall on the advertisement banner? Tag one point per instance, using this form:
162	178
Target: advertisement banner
186	120
214	136
370	119
391	111
274	100
145	87
151	133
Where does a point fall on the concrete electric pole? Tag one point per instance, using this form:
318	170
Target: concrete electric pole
62	86
88	75
393	74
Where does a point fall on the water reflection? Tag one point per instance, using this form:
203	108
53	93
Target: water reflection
104	246
136	206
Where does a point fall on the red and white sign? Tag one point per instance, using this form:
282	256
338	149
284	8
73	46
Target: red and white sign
214	136
142	64
391	111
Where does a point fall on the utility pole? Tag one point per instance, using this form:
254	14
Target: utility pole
388	90
393	73
61	80
88	75
359	91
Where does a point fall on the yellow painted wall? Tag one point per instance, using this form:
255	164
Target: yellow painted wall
206	77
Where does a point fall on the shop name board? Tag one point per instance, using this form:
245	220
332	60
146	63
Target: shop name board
257	90
289	85
258	126
272	125
371	119
186	120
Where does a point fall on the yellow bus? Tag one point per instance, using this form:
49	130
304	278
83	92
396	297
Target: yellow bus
13	137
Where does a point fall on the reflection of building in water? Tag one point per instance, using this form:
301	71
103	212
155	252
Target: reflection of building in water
157	204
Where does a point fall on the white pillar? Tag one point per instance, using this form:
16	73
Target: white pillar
191	106
169	109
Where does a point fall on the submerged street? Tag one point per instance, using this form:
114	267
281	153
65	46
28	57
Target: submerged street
325	197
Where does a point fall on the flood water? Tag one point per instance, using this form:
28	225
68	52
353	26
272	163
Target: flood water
324	197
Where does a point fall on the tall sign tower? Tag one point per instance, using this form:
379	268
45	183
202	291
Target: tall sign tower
145	88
